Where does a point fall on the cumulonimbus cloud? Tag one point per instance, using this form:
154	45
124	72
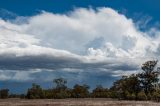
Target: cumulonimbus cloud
83	39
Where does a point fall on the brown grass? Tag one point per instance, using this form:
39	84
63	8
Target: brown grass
74	102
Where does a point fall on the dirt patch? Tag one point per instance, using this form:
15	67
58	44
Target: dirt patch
74	102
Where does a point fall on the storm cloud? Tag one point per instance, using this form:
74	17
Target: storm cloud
80	41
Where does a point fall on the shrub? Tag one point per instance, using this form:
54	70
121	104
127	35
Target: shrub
149	96
141	96
130	96
156	96
4	93
36	92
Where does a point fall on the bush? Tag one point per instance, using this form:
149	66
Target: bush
100	92
80	91
112	94
156	96
149	96
36	92
141	96
4	93
130	96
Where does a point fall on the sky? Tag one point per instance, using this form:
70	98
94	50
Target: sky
86	42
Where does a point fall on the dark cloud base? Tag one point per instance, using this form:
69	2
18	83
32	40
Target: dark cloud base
25	63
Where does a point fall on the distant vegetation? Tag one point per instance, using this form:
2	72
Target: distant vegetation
140	86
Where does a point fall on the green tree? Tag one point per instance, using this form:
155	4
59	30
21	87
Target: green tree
80	91
127	85
61	90
149	76
100	92
60	83
36	92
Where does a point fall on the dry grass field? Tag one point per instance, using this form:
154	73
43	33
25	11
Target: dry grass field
74	102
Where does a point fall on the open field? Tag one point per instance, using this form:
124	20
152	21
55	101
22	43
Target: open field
74	102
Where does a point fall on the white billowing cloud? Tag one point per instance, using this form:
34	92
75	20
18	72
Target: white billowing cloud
82	26
83	39
11	37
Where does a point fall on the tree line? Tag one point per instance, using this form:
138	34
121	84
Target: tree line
140	86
